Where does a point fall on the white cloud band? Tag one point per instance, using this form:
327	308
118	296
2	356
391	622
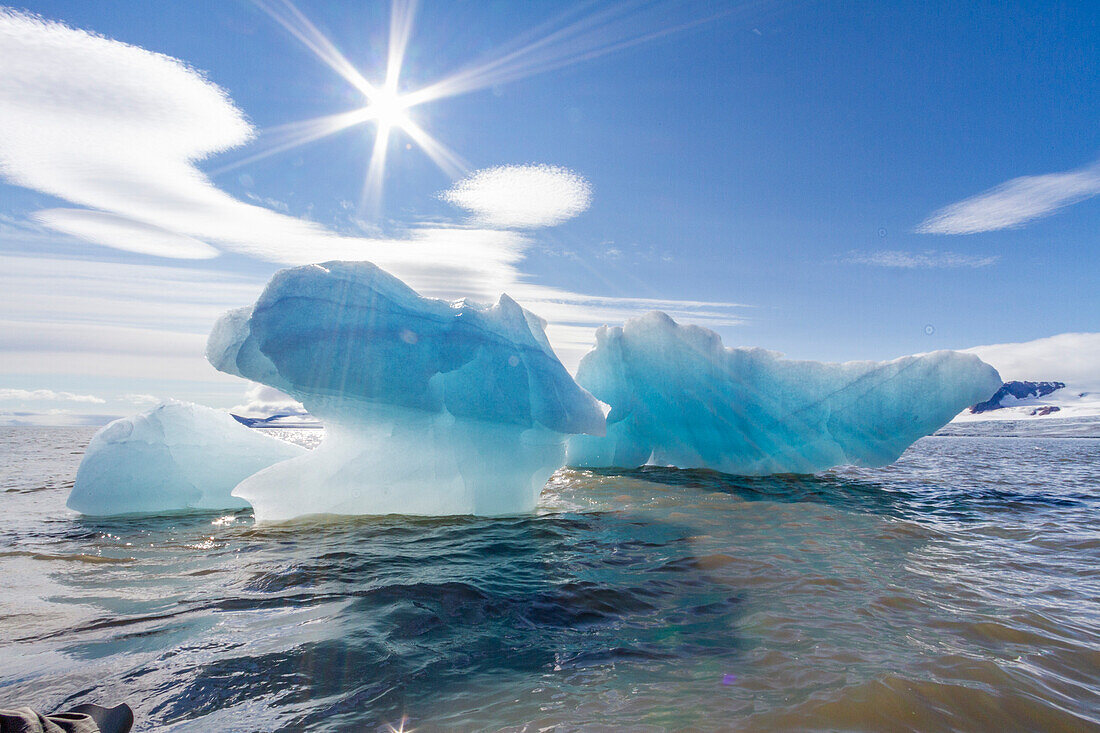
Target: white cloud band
1073	358
47	395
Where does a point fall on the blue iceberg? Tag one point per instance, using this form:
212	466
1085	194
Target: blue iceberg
430	407
679	397
433	407
174	457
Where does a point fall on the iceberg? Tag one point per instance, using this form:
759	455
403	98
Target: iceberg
174	457
430	407
679	397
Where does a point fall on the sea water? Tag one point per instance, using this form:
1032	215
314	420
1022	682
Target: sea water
956	589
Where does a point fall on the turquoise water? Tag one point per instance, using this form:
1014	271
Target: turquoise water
958	589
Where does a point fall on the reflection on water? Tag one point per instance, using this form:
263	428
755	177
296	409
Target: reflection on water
956	589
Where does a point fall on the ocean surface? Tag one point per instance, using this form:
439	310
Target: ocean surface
958	589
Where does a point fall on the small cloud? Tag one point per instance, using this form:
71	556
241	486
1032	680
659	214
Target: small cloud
268	202
1014	203
263	401
927	260
633	253
142	399
522	196
39	395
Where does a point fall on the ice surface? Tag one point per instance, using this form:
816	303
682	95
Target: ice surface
679	397
429	407
173	457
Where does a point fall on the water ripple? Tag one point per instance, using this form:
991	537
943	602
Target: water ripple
956	589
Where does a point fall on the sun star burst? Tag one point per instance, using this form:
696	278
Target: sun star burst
570	38
385	107
388	109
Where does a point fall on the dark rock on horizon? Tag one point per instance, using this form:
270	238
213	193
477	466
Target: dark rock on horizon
1019	390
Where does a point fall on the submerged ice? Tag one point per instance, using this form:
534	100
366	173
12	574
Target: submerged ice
176	456
679	397
430	407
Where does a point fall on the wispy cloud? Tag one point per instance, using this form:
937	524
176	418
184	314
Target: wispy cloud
108	351
99	227
47	395
522	196
1014	203
38	290
927	260
75	316
574	317
67	315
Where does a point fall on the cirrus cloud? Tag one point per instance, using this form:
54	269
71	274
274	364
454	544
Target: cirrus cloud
927	260
1014	203
123	233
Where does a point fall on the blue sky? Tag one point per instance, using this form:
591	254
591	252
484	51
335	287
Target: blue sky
831	181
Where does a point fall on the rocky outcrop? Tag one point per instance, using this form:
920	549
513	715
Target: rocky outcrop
1018	390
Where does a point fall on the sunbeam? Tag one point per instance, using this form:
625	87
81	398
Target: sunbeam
560	44
563	41
447	160
402	13
298	25
372	187
294	134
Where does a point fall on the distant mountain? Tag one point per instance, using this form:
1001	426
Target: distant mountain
1030	393
1018	390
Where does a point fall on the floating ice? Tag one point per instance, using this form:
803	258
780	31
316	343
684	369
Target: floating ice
175	456
679	397
429	407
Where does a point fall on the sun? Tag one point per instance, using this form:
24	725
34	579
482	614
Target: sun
570	41
388	109
384	108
